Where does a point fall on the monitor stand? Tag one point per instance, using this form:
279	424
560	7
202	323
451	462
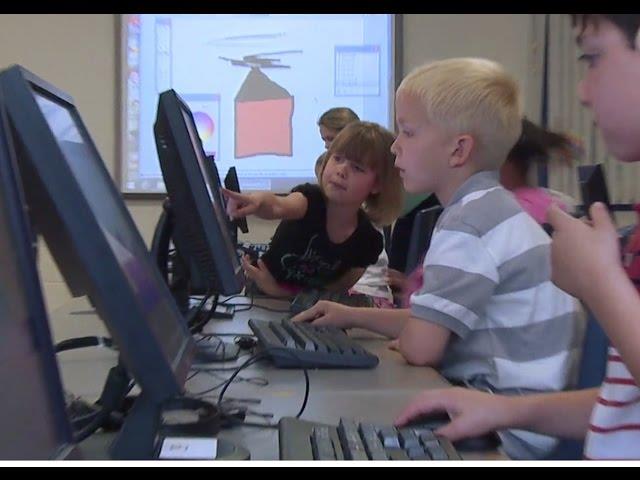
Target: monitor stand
96	447
143	429
180	289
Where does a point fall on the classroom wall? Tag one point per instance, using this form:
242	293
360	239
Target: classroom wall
78	53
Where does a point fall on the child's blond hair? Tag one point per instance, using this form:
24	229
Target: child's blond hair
369	144
471	96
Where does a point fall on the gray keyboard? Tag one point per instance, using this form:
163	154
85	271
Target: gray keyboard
301	345
303	440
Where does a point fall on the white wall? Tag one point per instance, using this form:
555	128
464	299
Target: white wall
78	54
505	38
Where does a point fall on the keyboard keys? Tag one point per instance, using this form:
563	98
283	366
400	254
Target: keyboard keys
372	442
409	439
438	453
425	435
389	437
351	440
301	345
418	453
322	445
430	444
397	454
284	336
352	445
299	335
332	347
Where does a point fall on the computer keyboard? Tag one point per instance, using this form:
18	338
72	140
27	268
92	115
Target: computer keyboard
301	345
308	298
254	250
350	440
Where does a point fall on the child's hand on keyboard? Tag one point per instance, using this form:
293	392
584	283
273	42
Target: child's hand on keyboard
472	413
327	313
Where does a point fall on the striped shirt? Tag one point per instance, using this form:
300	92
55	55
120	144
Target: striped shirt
614	430
487	279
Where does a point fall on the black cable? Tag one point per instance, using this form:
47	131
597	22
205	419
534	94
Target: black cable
83	342
253	305
194	326
226	300
256	381
117	385
219	385
261	356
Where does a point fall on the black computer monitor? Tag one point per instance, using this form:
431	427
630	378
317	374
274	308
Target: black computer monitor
72	198
32	408
201	226
423	225
231	182
593	186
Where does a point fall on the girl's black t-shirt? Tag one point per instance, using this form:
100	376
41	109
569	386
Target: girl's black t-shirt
302	254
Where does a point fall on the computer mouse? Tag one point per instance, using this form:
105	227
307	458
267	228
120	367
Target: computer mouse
246	343
487	442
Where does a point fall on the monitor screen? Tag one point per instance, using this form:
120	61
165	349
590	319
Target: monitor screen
202	230
69	190
32	410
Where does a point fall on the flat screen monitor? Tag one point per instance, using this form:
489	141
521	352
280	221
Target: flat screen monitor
201	227
72	199
32	409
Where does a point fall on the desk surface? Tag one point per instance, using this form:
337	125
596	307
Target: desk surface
384	390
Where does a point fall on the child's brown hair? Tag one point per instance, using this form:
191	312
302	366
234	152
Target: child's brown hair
369	144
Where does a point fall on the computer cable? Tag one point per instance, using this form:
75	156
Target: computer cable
257	381
84	342
194	325
262	355
252	304
116	387
233	417
228	299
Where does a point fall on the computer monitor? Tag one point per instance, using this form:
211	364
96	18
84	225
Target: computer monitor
593	186
423	225
72	197
232	183
201	226
32	408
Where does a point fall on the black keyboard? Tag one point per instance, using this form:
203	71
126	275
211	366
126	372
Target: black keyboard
301	345
302	440
308	298
254	250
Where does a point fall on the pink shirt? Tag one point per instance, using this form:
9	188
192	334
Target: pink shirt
536	202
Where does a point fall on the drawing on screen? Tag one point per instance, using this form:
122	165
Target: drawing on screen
263	109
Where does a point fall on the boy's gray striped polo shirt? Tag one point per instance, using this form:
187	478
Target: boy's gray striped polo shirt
487	279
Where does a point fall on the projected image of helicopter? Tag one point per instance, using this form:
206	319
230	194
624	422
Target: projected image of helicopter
263	109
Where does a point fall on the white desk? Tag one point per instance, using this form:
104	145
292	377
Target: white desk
376	395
